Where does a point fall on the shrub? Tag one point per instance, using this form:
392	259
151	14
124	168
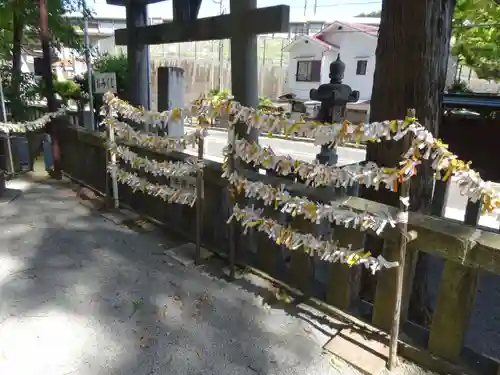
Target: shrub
106	64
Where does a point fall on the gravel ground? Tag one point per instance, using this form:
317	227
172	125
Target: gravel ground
81	295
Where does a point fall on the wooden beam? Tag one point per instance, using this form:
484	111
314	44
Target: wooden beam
185	10
258	21
125	2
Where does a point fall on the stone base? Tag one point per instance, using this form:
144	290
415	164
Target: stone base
364	351
186	254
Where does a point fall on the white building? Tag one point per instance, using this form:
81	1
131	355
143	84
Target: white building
310	58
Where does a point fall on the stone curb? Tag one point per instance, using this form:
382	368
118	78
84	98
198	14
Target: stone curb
278	136
88	198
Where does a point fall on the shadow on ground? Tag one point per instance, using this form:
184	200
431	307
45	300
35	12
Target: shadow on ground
82	295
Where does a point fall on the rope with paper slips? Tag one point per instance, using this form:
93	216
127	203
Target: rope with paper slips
30	126
315	175
424	146
179	172
336	253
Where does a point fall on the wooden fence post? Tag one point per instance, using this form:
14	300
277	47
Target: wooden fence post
112	159
404	198
455	301
199	197
231	133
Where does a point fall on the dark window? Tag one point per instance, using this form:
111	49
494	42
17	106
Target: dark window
361	67
309	71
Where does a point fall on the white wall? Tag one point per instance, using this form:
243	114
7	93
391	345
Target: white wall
356	46
303	51
328	58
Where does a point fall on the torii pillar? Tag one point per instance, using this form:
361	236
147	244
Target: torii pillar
137	53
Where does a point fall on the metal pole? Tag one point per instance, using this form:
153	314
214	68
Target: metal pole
221	49
89	72
2	99
231	200
262	71
7	135
114	177
281	55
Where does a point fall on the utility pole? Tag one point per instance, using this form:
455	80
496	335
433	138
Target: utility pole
221	46
49	89
315	6
89	71
305	7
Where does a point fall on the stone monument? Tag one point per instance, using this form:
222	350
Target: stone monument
334	97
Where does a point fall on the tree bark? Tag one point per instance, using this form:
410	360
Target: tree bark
410	72
16	73
412	59
49	93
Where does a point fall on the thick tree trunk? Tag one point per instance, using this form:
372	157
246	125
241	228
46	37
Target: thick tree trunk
411	64
412	59
17	40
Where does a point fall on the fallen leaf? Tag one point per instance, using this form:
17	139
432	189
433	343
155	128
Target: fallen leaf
335	363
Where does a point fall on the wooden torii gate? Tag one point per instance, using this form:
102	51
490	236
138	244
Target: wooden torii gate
242	26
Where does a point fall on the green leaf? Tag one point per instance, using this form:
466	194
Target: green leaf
476	36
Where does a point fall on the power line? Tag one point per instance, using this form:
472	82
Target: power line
338	4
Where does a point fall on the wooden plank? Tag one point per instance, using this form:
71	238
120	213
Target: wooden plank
258	21
454	306
344	281
301	264
439	198
472	213
385	293
268	252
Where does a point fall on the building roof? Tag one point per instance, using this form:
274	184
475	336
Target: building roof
313	39
353	26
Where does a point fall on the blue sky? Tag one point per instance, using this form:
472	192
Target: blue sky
327	10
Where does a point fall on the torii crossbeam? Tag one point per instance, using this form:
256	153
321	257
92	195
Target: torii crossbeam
242	26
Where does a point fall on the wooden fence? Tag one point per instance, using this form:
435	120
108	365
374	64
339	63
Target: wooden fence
468	254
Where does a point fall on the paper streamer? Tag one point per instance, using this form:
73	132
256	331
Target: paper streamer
153	141
154	167
167	193
334	213
316	175
30	126
327	250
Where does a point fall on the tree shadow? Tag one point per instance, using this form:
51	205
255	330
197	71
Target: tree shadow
93	297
